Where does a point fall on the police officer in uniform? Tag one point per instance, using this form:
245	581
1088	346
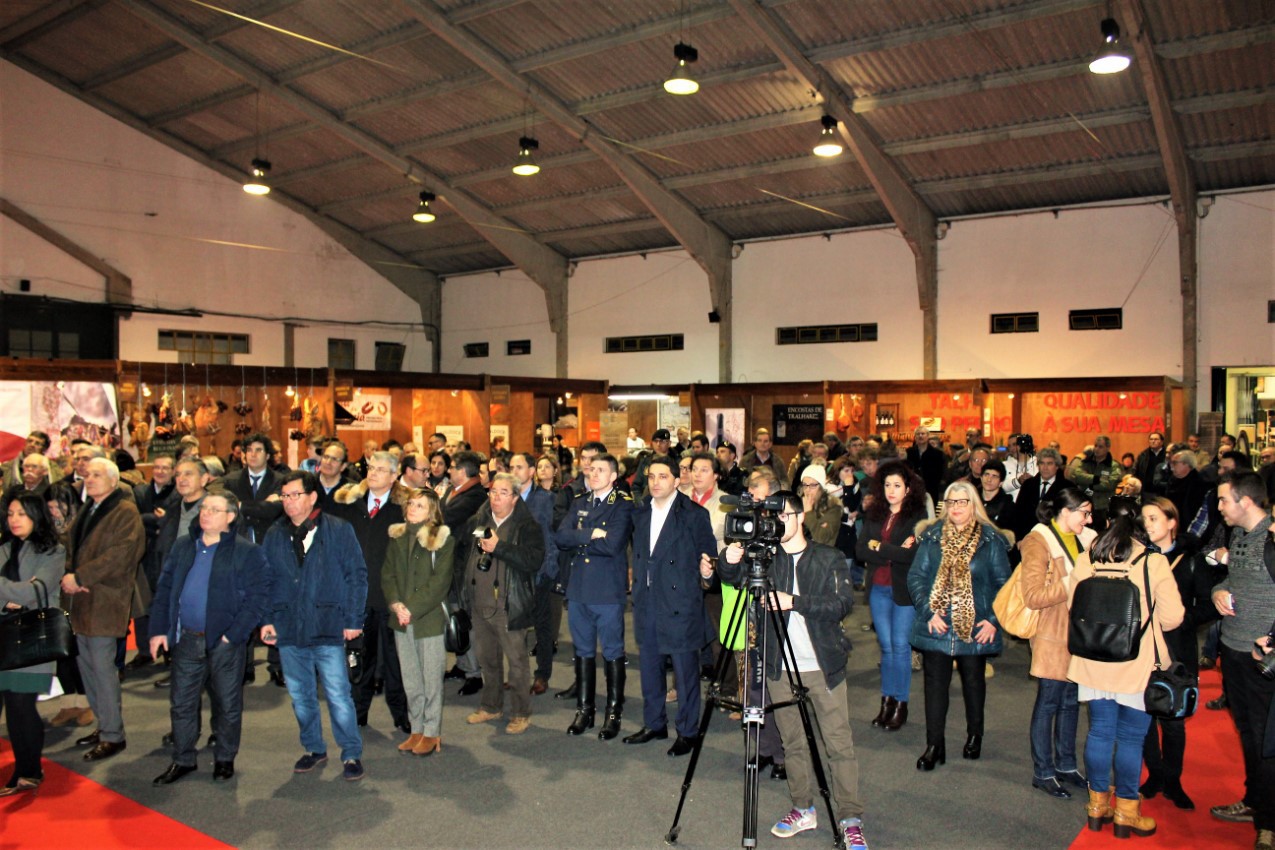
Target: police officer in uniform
596	532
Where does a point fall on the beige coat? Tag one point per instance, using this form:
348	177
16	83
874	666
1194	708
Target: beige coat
1130	677
1045	577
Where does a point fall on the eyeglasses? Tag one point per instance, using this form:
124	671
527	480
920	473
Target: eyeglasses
957	503
810	485
289	497
209	509
1085	513
381	469
787	516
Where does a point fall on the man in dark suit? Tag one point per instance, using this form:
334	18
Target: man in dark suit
371	507
596	532
927	462
673	544
154	500
1041	485
463	501
256	486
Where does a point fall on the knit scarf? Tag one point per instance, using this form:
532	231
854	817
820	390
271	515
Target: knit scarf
952	585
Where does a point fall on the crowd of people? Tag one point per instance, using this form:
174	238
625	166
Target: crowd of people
356	574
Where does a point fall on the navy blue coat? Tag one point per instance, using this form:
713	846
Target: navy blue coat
599	567
313	605
238	588
666	581
540	502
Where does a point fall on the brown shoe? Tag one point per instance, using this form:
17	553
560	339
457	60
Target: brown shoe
518	725
539	686
1099	809
428	746
66	717
410	744
1130	820
86	718
481	716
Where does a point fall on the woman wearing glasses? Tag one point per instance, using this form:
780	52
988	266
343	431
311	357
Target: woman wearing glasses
823	512
887	546
1049	554
961	563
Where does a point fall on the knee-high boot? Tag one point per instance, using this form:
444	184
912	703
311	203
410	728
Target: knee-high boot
587	678
573	691
615	698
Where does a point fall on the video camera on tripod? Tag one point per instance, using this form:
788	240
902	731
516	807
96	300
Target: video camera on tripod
756	524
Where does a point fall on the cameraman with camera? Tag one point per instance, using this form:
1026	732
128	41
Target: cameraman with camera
813	590
1246	601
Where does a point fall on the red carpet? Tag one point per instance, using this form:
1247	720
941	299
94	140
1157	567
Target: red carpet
69	810
1213	775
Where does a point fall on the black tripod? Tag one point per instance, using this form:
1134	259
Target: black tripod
760	590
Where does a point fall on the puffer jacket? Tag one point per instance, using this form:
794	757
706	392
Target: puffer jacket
989	569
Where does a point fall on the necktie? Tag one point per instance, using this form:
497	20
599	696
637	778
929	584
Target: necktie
597	501
376	507
256	482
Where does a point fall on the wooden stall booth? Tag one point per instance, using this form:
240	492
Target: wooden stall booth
529	411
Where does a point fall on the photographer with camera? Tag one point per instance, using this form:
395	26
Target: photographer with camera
498	592
1246	601
813	590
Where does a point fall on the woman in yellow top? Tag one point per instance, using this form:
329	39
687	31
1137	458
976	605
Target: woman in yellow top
1050	552
1118	720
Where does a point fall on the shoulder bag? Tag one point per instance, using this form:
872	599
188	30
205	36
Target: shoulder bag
1172	692
456	628
35	635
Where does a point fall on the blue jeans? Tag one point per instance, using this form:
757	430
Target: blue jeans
301	665
894	627
1053	728
1115	738
857	571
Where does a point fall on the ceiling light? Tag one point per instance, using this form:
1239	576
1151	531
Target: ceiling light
257	185
423	213
828	144
1113	58
526	164
681	81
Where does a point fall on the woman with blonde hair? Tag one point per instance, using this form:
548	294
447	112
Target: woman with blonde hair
962	561
416	578
1118	720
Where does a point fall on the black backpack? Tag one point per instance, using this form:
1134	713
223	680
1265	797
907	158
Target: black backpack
1106	616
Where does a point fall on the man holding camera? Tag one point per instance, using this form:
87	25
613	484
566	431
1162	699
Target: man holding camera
813	591
673	543
1246	601
499	593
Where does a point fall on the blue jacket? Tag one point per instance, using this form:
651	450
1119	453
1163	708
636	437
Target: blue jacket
312	604
666	581
540	502
237	590
599	567
989	570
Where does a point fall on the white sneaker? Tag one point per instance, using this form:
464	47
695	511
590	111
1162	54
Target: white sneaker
797	820
852	832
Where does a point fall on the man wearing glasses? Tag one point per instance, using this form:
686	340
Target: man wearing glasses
318	592
813	590
208	601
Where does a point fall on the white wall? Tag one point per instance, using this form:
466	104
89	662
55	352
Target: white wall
849	278
496	308
1237	278
1080	259
188	237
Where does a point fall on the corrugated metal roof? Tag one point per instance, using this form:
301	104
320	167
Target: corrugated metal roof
983	105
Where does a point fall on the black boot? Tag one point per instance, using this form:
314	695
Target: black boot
615	698
887	708
934	754
587	678
574	691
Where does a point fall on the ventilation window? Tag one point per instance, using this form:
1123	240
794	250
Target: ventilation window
1015	323
476	349
1096	320
340	353
1270	312
198	347
658	342
516	347
814	334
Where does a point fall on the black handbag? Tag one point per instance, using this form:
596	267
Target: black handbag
1106	617
1173	691
456	630
36	635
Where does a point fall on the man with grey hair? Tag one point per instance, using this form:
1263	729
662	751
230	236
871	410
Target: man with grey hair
35	479
927	462
106	544
37	443
1047	480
